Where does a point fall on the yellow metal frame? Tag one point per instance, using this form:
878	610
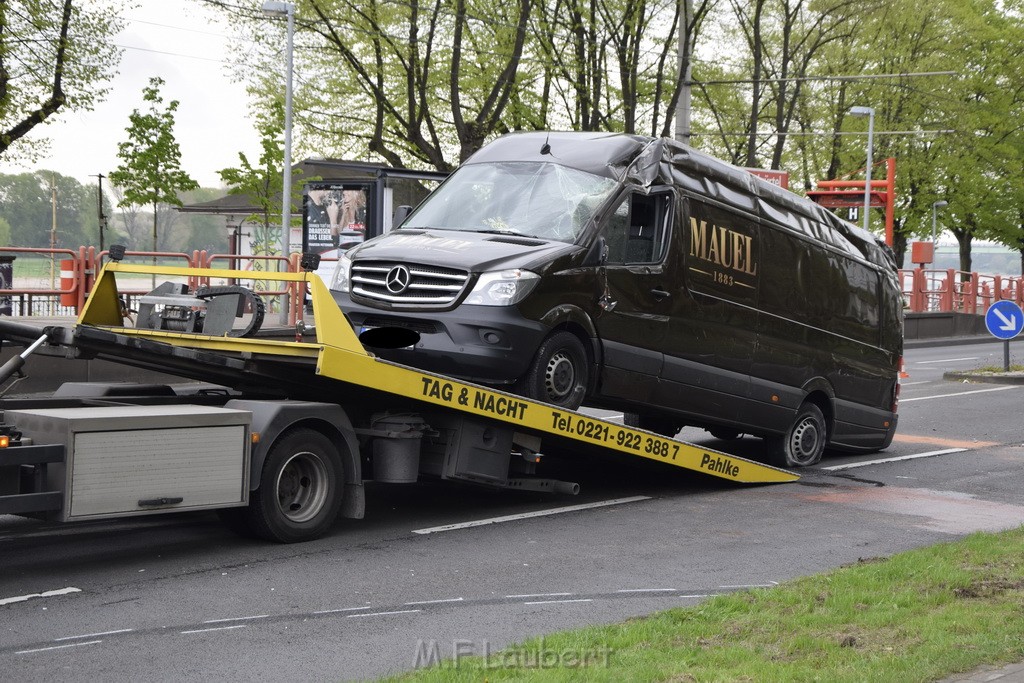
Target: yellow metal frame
339	355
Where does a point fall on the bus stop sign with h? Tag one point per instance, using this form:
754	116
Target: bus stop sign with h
1004	320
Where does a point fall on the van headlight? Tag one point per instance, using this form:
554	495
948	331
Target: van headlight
340	281
502	287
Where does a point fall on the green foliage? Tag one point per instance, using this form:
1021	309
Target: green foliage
54	56
5	231
263	183
27	201
150	170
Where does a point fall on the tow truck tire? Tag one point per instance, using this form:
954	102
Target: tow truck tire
804	441
560	372
300	488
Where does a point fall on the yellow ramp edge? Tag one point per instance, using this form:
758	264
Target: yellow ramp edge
341	356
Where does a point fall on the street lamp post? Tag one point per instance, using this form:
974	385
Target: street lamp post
286	10
870	113
937	205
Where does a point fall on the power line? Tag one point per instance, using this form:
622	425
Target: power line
859	77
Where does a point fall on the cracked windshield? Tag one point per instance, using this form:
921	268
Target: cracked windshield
546	201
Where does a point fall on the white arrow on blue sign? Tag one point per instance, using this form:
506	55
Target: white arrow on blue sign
1004	320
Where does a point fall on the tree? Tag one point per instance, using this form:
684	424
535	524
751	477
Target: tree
27	202
53	56
150	170
263	183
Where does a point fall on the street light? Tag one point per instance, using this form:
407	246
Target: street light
286	10
870	113
942	203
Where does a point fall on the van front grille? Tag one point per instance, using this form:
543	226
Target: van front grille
407	284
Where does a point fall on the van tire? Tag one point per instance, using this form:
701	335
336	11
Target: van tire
300	488
560	372
804	441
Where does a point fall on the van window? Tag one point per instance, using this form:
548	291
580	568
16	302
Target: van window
636	230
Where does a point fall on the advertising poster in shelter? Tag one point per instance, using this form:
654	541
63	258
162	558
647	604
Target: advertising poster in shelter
335	217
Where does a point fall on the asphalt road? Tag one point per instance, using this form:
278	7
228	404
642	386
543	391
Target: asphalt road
180	598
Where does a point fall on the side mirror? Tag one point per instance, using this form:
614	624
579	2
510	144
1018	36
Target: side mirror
401	213
598	254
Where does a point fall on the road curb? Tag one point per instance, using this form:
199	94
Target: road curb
1005	378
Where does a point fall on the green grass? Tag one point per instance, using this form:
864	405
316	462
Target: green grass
918	616
996	369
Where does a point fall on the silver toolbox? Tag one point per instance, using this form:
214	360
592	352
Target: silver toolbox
125	460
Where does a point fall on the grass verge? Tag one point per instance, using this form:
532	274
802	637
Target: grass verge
917	616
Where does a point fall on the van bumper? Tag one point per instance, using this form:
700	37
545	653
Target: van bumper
487	344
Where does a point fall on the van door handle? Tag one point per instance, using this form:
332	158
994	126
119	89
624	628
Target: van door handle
660	294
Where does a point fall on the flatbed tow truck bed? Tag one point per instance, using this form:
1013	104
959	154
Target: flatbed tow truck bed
316	415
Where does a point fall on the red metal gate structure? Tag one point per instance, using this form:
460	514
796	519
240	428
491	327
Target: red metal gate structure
845	194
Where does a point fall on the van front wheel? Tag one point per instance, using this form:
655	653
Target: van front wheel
804	441
559	373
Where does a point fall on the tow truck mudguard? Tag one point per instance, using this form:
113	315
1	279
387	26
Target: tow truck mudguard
270	419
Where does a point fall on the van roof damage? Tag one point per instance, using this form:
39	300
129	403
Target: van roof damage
647	162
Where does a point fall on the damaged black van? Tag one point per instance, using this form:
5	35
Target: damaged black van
640	275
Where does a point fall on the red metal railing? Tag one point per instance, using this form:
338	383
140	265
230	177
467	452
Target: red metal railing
79	269
927	290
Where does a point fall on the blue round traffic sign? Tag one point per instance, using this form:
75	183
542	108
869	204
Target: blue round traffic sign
1004	320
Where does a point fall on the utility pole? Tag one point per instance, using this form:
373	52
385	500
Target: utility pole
53	226
99	207
685	69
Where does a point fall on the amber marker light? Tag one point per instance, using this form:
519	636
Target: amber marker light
255	437
5	441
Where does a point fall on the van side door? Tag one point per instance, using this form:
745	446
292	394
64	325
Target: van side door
636	302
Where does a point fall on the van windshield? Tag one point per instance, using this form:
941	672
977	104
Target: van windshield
532	199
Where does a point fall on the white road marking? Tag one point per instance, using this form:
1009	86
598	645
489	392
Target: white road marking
94	635
911	384
221	621
646	590
557	602
342	609
384	614
539	595
944	360
929	454
529	515
434	602
44	594
962	393
57	647
219	628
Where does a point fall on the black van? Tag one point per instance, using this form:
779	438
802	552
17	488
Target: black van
640	275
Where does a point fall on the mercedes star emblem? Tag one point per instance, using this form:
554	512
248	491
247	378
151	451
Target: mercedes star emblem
398	279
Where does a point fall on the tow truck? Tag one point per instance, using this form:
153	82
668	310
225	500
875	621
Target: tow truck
282	433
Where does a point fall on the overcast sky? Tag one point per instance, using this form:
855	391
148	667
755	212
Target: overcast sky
182	42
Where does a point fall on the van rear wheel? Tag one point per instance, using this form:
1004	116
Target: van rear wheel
804	441
560	372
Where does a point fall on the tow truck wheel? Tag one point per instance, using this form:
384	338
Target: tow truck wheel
559	373
300	489
803	443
